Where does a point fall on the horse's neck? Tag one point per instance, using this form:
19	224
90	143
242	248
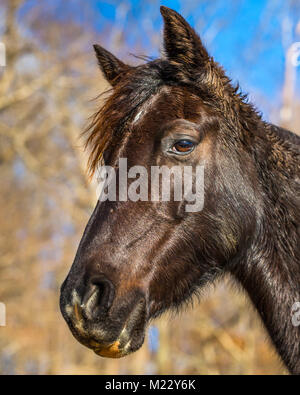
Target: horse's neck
273	286
270	271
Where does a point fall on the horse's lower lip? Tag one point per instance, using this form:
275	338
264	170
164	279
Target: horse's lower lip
110	351
116	349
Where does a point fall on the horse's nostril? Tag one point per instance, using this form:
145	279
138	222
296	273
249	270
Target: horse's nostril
98	297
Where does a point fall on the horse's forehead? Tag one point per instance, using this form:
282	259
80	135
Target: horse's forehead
167	104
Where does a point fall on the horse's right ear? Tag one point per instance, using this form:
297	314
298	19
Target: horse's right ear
111	66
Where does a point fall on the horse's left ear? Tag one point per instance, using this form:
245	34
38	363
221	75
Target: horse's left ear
181	43
111	66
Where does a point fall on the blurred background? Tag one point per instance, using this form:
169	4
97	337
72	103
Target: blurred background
46	98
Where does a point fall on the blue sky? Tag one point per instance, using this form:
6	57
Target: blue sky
248	45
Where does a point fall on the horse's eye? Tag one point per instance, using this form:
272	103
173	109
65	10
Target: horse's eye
183	147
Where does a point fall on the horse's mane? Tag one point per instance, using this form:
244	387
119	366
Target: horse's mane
286	135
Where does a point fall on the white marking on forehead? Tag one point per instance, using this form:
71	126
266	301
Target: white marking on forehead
144	107
138	115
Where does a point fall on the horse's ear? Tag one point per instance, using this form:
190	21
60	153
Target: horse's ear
111	66
181	43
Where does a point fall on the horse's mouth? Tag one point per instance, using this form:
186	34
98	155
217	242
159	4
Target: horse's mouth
125	344
103	337
111	351
130	338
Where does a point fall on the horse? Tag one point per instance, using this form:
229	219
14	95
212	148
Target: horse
139	258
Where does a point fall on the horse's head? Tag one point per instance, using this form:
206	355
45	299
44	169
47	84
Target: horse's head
139	255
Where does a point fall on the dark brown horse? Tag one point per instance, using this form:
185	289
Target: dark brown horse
139	258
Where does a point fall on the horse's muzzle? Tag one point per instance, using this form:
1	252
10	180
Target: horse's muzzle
99	321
